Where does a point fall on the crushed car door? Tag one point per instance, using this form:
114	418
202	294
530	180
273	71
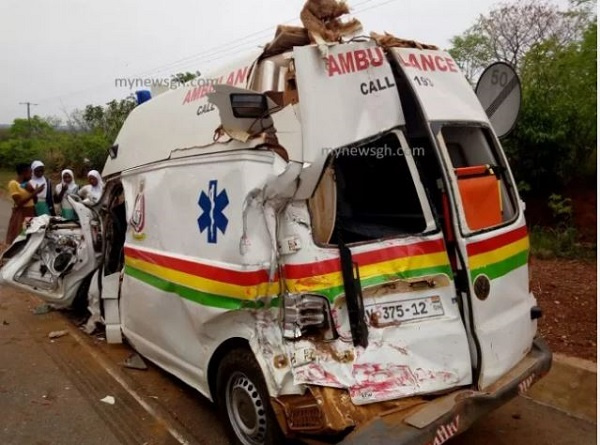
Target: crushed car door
53	256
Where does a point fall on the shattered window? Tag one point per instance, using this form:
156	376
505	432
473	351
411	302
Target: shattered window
367	193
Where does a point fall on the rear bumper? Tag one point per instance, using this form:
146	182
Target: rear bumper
445	417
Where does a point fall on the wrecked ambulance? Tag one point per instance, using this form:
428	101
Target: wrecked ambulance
326	241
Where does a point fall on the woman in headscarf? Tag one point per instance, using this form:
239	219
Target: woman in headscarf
22	198
65	188
44	204
92	192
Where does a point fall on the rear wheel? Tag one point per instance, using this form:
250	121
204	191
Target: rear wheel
243	401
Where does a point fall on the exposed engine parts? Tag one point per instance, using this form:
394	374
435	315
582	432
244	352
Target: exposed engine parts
55	256
58	252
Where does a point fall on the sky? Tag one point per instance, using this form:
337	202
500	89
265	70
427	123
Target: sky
65	54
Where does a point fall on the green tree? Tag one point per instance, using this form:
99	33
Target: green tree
472	51
182	78
107	119
510	30
26	140
555	140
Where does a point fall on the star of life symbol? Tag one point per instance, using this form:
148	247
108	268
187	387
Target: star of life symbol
212	218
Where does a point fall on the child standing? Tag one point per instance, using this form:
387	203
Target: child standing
44	204
65	188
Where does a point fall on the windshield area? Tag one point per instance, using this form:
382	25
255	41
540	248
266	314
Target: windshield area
368	192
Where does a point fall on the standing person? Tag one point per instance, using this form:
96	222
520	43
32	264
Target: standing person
44	204
92	192
22	201
65	188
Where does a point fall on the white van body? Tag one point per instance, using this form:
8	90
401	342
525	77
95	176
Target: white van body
230	240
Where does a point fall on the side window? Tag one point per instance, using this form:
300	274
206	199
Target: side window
367	193
487	195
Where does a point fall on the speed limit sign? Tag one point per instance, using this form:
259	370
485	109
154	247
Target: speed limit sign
499	91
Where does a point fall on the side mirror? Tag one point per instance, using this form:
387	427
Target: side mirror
499	91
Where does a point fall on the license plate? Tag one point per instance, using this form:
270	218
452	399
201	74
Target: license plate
381	314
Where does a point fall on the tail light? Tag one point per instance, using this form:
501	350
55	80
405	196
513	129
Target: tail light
305	315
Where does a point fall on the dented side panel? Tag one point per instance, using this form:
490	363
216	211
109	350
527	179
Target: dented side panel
201	268
402	358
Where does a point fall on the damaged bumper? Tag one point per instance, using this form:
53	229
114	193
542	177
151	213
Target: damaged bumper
441	419
407	421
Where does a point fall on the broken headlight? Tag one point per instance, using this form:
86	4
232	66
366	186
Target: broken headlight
305	315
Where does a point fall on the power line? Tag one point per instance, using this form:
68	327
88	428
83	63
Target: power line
185	64
215	49
218	48
220	51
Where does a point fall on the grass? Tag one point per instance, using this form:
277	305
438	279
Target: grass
559	242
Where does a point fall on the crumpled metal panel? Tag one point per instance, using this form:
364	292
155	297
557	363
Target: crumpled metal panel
401	359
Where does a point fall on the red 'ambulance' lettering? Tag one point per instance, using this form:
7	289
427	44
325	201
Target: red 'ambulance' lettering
429	62
235	77
354	61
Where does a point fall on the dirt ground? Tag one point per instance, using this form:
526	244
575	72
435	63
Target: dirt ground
566	292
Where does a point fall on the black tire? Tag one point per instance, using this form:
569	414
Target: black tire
243	401
80	302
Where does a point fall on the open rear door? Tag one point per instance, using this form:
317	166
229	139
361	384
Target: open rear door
487	216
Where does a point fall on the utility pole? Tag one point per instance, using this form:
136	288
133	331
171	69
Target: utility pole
29	104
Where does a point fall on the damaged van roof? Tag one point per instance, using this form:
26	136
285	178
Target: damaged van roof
175	120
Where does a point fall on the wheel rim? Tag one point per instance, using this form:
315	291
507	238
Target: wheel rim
246	410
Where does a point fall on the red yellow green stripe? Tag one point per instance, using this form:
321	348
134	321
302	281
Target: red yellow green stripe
215	286
205	284
375	267
497	256
195	295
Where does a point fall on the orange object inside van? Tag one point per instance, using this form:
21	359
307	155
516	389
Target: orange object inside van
480	193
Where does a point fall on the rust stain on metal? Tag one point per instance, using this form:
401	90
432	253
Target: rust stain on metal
327	348
280	361
395	286
336	411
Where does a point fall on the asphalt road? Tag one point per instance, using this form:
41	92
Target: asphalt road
51	391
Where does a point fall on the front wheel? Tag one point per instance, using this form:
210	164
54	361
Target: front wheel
243	401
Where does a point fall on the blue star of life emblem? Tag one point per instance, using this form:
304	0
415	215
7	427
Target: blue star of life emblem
212	217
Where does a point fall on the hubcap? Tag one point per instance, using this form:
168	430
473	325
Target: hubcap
246	410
